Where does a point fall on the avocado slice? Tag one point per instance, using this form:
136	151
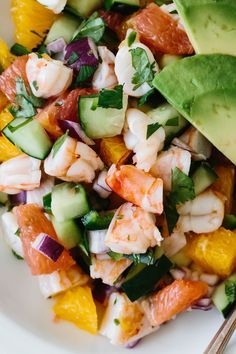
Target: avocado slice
210	24
203	89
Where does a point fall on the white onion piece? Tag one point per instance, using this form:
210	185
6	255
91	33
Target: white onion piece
96	241
56	46
210	279
36	196
100	186
9	232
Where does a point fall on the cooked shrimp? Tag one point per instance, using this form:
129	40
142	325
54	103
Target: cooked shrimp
205	213
104	76
133	324
107	269
193	141
73	162
61	280
135	137
137	187
46	77
20	173
125	71
132	230
167	161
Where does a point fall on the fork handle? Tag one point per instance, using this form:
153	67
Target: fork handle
222	337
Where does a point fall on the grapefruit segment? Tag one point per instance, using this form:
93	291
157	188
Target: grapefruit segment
173	299
32	222
161	32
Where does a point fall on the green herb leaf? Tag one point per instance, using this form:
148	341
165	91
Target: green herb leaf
115	256
17	233
230	222
22	108
85	73
47	202
94	28
131	38
142	100
182	190
172	122
36	102
230	291
116	321
144	70
59	142
111	98
19	50
17	256
35	84
145	258
151	129
73	57
182	187
171	214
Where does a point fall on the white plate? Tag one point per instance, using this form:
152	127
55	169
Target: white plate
26	325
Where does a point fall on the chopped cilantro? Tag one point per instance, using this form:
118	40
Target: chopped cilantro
85	74
151	129
93	27
111	98
116	321
142	100
144	258
172	122
35	84
115	301
131	38
17	233
144	70
17	256
18	50
73	58
115	256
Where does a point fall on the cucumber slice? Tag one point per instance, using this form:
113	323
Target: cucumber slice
180	259
169	118
29	136
69	201
230	222
101	122
64	27
83	8
142	279
224	297
68	232
94	221
203	177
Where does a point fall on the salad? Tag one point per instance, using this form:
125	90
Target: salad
118	153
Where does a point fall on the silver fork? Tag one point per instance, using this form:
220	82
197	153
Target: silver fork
222	337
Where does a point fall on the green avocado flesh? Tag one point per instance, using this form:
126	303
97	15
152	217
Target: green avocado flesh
203	89
210	24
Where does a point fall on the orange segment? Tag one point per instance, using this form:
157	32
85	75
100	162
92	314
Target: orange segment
114	151
3	101
32	222
173	299
225	184
8	77
6	58
5	118
77	306
160	32
7	149
32	21
215	252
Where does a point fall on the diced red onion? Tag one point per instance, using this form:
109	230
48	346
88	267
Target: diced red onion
100	186
203	304
56	46
97	241
177	273
18	199
75	131
133	344
86	51
210	279
101	291
47	246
